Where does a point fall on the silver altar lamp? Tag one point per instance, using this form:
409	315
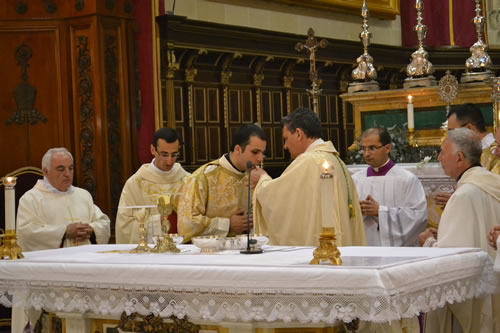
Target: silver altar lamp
365	74
311	45
448	92
478	65
419	70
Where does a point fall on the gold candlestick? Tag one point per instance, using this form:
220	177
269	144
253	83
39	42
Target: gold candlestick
10	249
412	142
327	250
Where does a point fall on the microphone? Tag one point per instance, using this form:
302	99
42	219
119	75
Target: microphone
249	241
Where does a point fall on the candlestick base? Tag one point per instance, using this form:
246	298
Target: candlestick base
412	141
327	250
10	249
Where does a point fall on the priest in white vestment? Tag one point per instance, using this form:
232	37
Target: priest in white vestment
288	209
163	176
392	199
54	213
470	213
214	200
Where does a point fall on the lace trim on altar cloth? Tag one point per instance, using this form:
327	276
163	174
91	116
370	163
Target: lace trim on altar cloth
246	306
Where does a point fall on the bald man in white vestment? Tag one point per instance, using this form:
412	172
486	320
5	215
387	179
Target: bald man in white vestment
54	213
392	199
163	176
470	213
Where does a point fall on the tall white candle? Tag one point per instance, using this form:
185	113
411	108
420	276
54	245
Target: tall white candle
327	213
411	121
10	205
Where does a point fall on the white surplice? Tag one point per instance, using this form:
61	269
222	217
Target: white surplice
402	207
43	215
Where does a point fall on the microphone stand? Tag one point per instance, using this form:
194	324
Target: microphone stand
249	249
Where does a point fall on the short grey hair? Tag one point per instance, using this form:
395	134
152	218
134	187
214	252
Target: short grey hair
47	158
468	142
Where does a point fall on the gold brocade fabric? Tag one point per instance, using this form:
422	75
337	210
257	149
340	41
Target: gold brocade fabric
490	161
210	196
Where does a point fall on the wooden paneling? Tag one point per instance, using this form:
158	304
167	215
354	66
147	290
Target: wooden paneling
79	63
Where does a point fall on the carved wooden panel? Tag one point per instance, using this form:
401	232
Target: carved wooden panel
206	131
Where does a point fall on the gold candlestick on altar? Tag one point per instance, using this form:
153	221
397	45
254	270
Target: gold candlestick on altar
311	46
327	250
10	249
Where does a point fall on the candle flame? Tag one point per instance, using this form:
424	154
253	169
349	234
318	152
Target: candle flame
325	166
410	99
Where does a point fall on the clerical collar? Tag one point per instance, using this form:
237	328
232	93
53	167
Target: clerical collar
472	166
380	171
55	190
226	155
158	170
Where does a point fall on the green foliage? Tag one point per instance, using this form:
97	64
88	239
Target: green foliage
401	152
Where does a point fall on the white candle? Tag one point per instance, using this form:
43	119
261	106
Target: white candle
411	121
10	203
327	213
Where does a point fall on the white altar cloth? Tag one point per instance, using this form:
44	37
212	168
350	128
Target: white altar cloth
375	283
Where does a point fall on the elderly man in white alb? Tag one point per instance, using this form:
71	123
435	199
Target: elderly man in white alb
392	199
54	213
470	213
160	177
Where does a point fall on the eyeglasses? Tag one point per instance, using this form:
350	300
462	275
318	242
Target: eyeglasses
370	148
167	155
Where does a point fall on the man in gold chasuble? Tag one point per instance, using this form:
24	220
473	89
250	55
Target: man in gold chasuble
288	209
214	198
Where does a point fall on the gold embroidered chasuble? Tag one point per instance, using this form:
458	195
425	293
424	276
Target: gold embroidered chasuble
210	196
288	209
144	188
490	161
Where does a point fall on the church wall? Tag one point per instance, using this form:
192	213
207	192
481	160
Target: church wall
273	16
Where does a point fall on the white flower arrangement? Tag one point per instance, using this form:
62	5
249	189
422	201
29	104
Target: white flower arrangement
426	160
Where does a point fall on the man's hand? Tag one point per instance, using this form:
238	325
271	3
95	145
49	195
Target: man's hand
429	232
442	198
493	236
254	177
369	207
78	231
238	222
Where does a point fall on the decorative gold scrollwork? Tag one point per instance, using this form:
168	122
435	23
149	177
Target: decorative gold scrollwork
155	324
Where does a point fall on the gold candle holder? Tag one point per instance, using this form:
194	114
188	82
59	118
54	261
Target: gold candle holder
10	249
412	141
327	249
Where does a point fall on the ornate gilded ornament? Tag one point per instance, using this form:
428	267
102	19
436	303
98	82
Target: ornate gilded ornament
85	89
448	89
478	64
365	73
155	324
311	45
419	69
25	93
494	83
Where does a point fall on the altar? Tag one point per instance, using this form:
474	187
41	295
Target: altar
90	285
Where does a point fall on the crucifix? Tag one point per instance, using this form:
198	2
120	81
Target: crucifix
311	45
